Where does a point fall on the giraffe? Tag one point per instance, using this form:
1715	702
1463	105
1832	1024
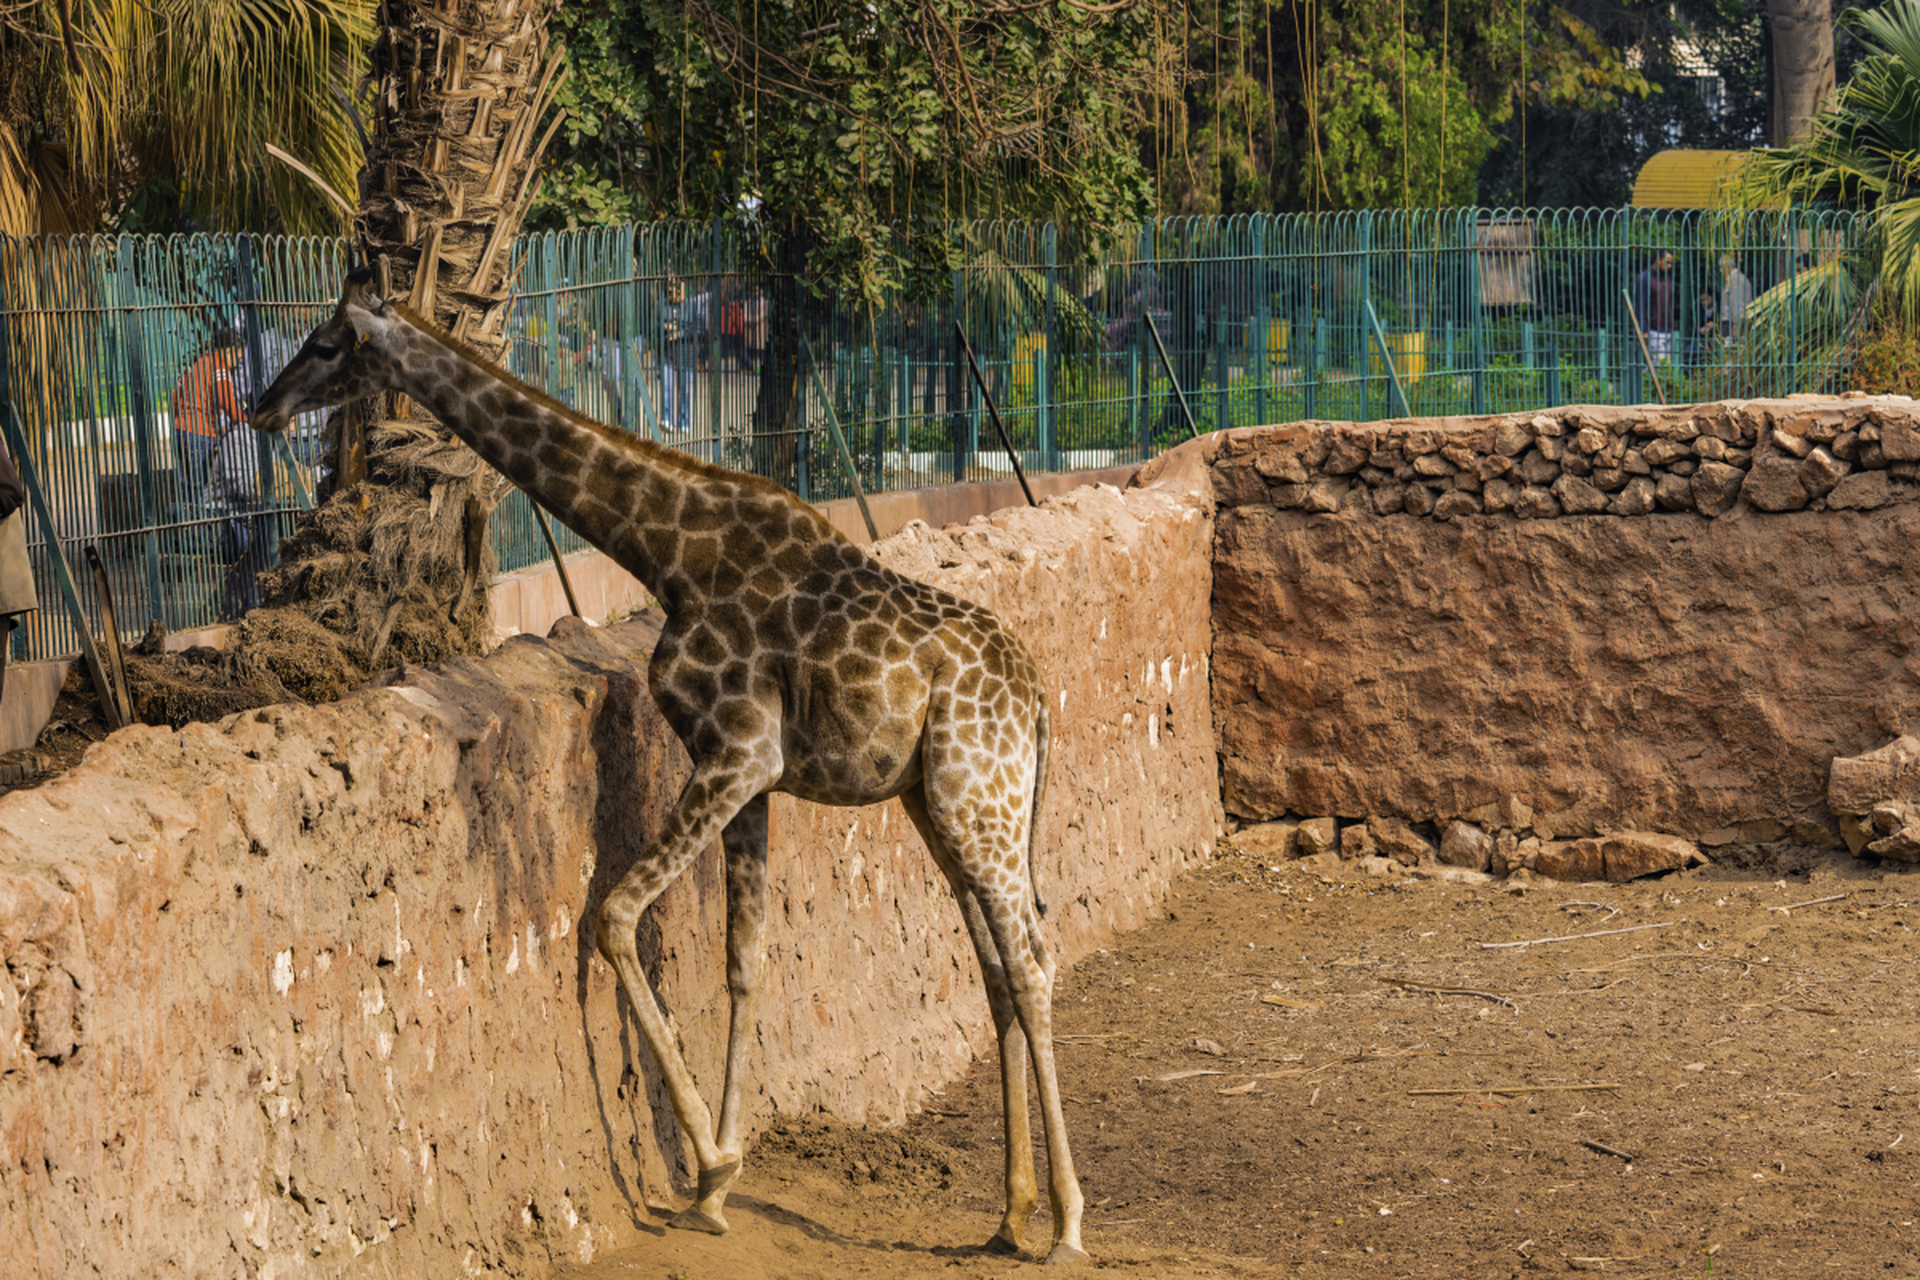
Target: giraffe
790	661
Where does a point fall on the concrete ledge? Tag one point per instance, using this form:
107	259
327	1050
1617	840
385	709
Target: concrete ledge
531	600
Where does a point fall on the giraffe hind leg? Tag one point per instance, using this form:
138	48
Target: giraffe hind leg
1029	976
1022	1186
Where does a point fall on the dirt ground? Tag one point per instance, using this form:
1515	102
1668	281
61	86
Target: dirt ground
1331	1075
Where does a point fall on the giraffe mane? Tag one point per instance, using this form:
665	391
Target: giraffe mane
615	436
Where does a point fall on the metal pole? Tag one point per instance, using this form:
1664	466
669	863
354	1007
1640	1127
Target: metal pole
1386	358
839	441
256	364
1161	347
1645	351
302	498
553	549
110	627
62	576
1006	441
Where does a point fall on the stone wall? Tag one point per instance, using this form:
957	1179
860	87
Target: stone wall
1557	624
313	991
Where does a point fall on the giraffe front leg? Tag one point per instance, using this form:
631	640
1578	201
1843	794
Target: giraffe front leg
711	798
745	842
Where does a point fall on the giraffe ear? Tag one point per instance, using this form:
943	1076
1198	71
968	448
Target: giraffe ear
361	294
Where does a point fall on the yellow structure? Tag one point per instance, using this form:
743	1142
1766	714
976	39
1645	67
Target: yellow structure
1409	351
1687	179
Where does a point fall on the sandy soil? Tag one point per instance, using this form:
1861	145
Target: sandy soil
1330	1075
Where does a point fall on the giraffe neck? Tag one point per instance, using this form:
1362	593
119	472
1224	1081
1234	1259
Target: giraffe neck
640	502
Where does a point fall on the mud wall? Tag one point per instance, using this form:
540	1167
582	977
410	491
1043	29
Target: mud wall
1593	619
313	991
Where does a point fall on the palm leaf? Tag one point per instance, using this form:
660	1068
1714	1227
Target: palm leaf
194	90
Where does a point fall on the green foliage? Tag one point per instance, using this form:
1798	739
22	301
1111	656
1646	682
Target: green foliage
1885	356
843	125
1573	66
1611	82
1359	103
1390	111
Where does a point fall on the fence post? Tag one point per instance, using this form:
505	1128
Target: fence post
1141	441
16	636
1222	403
139	396
1042	374
1259	342
257	367
1793	305
905	432
1043	410
1632	381
1526	351
957	388
714	451
140	402
1316	348
16	442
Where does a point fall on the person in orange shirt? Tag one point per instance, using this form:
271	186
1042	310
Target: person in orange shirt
206	402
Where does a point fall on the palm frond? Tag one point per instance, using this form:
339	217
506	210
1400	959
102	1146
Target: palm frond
193	91
1802	323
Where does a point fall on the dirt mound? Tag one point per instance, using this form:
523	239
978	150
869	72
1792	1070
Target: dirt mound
308	661
364	582
392	575
200	683
903	1163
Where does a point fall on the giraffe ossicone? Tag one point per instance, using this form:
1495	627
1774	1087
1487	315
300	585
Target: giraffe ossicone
790	661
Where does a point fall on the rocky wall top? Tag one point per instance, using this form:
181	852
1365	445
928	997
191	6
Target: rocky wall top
313	991
1772	455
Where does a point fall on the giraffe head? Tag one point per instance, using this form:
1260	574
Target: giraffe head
347	358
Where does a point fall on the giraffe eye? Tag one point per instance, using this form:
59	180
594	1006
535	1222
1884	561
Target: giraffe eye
324	351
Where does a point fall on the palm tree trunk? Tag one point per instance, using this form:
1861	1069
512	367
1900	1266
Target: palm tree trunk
396	561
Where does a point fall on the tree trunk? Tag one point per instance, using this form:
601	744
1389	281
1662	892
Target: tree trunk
1802	33
396	562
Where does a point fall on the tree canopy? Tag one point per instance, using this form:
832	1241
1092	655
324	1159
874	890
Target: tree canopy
842	122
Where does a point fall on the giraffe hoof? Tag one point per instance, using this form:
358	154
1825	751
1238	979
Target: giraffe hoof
1002	1244
718	1179
1066	1255
694	1219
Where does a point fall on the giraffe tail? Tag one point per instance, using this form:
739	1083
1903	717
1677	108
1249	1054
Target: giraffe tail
1042	731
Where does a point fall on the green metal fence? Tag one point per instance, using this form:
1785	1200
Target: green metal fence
672	329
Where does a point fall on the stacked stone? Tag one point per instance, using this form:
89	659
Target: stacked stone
1588	460
1384	845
